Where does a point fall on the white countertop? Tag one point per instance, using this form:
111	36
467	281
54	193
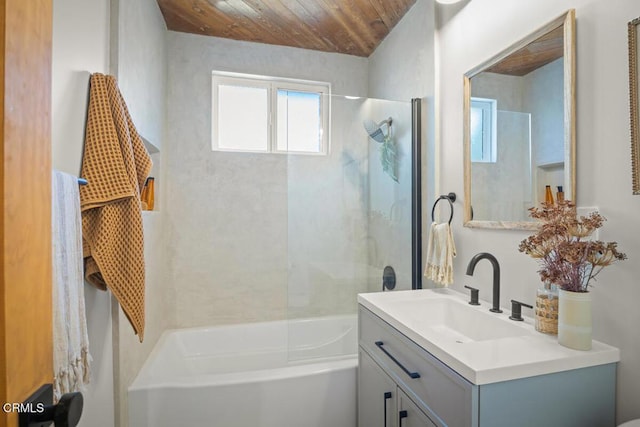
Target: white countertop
482	361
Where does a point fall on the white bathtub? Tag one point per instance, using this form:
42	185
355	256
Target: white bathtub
245	376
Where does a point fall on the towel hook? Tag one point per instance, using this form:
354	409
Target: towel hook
451	197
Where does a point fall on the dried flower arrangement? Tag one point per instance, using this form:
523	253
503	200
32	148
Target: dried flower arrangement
561	245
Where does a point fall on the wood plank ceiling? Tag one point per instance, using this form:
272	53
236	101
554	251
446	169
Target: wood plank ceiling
536	54
354	27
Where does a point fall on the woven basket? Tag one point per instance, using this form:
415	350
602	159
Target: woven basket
546	313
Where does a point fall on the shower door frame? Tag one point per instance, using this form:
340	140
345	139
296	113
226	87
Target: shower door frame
416	193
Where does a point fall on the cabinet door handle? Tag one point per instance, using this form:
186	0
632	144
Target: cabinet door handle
387	396
401	416
406	371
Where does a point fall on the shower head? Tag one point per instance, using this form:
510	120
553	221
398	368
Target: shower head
375	130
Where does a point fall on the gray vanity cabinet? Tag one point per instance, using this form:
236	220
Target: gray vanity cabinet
444	397
422	391
381	402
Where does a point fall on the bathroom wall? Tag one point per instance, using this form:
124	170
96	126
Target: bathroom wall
473	31
543	92
403	68
227	213
544	96
508	91
140	64
138	60
86	40
81	46
505	192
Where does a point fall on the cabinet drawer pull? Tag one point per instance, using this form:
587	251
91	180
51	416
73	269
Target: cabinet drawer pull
401	415
406	371
387	396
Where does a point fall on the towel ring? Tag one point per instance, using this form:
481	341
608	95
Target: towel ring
451	197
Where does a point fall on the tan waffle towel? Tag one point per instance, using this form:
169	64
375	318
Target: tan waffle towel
116	164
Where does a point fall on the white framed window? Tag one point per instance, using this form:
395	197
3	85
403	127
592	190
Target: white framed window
484	120
262	114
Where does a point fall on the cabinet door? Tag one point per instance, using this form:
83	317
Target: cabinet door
376	395
409	415
440	392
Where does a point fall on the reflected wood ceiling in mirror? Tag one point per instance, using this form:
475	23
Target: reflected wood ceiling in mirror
536	54
353	27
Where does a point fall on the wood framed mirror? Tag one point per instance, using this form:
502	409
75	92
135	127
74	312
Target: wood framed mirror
520	128
634	86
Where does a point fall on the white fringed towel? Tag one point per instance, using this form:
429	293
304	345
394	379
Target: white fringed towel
71	358
440	253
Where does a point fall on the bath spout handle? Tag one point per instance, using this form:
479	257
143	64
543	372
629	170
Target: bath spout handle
413	375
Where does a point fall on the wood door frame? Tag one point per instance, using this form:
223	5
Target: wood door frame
25	224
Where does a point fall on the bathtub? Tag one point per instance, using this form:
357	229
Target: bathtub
298	373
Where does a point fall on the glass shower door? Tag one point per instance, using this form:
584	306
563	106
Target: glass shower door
349	216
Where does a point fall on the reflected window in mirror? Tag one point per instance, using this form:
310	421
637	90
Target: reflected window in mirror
483	130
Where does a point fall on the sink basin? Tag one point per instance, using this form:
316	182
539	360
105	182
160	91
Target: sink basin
456	321
483	347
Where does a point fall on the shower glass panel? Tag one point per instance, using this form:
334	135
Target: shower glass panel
506	192
349	216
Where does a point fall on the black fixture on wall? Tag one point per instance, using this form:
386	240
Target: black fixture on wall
416	194
388	278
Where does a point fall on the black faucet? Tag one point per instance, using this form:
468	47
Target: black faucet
496	277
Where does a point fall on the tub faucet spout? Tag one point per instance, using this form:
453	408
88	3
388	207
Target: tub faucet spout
496	276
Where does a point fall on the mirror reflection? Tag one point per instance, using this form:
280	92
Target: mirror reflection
518	140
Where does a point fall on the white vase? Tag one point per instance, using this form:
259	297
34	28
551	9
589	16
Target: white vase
574	320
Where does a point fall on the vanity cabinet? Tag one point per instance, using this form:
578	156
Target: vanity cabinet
381	402
400	384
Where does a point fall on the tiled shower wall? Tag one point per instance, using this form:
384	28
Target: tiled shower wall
228	213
